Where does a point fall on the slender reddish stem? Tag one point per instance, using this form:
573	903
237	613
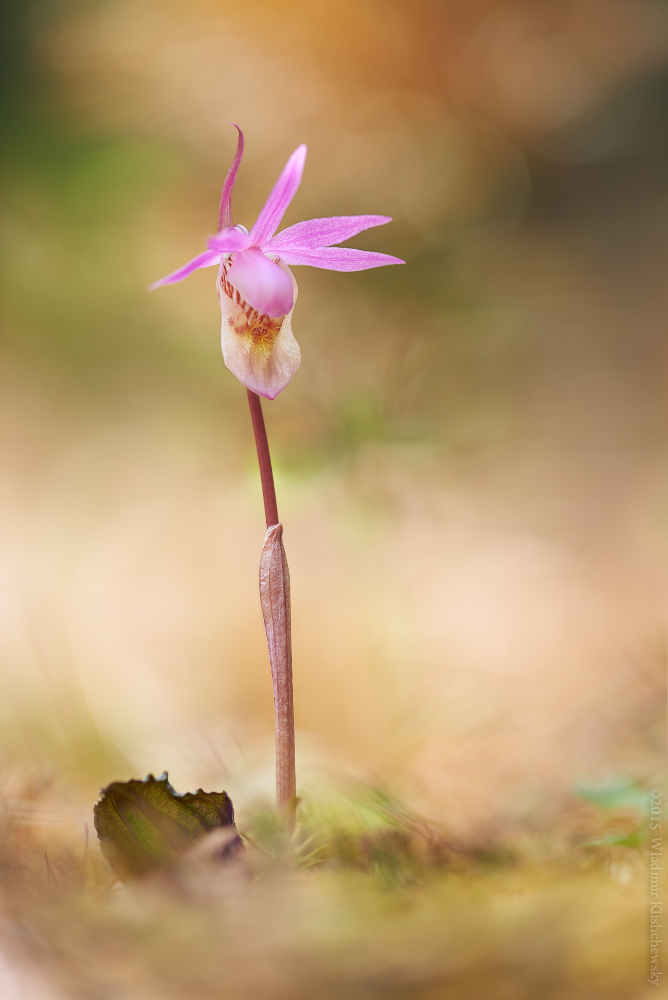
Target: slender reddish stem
264	459
275	601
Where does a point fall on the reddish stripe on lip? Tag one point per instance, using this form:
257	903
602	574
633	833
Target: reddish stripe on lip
252	315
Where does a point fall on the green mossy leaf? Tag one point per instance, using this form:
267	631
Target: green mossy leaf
146	825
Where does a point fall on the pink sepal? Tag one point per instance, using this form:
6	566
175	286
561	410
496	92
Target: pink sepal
225	209
206	259
281	195
317	233
337	258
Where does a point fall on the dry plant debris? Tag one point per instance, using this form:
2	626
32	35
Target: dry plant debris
364	900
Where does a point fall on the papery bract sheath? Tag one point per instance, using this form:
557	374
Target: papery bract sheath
275	602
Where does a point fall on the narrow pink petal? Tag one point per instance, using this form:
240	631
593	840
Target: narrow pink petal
261	282
206	259
281	195
229	240
225	210
323	232
262	364
337	258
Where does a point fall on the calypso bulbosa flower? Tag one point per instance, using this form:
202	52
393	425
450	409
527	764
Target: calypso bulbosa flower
256	288
257	293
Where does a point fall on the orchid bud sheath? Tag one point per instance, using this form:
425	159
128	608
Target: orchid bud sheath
275	601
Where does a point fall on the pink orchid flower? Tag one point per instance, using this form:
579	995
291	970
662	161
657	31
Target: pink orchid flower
256	288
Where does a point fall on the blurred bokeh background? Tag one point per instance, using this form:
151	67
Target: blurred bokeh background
472	461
